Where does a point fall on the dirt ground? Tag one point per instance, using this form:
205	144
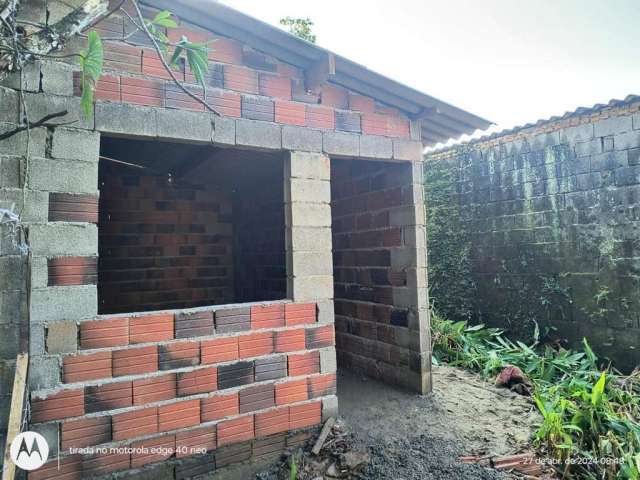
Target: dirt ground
409	436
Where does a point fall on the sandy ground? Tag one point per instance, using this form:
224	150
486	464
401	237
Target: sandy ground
410	436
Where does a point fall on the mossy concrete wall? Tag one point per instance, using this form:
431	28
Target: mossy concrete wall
552	218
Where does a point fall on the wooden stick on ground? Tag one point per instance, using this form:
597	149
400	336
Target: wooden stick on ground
15	414
323	436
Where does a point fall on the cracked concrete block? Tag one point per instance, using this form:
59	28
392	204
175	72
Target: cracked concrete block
64	303
10	171
301	139
374	146
41	104
253	133
62	337
75	144
341	144
28	78
125	119
17	144
63	239
185	125
10	111
61	175
224	131
57	78
36	204
315	166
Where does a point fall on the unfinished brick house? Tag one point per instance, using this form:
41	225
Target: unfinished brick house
191	277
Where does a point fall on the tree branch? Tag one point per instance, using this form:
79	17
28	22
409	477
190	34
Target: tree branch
28	125
143	25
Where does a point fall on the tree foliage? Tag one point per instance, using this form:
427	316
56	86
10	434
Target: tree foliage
300	27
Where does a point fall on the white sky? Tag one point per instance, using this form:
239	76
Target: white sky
510	61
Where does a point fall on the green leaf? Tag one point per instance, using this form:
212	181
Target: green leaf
598	389
92	59
176	55
86	102
163	19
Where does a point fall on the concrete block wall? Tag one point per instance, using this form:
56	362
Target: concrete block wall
379	243
163	244
553	216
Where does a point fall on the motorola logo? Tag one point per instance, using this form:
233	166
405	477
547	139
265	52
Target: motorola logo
29	450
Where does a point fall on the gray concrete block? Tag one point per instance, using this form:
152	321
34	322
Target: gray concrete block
61	239
329	408
415	130
58	175
41	104
64	303
17	144
625	141
75	144
9	341
13	307
311	288
50	433
315	166
39	272
224	131
407	150
124	119
10	171
309	238
590	147
44	372
57	78
341	144
12	272
403	257
62	337
308	263
10	111
310	214
36	204
301	139
326	311
635	121
28	78
579	133
374	146
310	191
37	339
613	126
185	125
253	133
328	362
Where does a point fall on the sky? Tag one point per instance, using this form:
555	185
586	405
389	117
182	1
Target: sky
509	61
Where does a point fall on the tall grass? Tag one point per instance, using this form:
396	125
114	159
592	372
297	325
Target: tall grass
591	412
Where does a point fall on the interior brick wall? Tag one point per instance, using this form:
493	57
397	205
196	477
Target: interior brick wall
371	332
162	244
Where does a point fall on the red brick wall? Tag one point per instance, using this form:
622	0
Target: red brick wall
162	244
371	333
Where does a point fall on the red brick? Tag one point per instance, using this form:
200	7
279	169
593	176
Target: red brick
322	385
112	332
275	86
143	91
109	396
199	381
153	450
306	415
104	463
255	344
240	79
194	442
179	415
121	57
154	389
134	361
137	423
69	468
151	328
267	316
94	366
320	117
398	127
360	103
176	98
304	364
321	337
236	430
374	124
392	237
333	96
226	50
72	271
196	36
299	313
225	102
291	392
274	421
64	404
219	350
85	432
153	67
108	88
286	70
290	340
291	113
179	355
220	406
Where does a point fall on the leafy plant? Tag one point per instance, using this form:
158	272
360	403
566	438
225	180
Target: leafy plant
300	27
91	69
590	415
293	468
